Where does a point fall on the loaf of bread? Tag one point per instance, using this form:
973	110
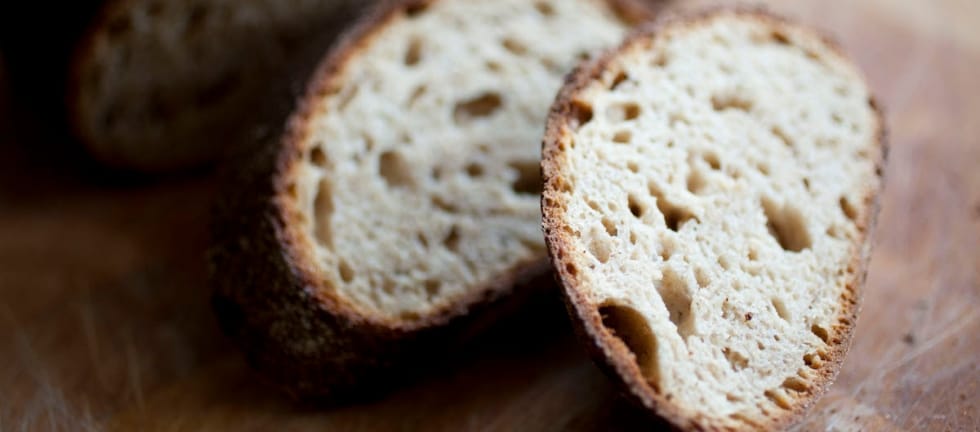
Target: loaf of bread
710	189
165	85
405	195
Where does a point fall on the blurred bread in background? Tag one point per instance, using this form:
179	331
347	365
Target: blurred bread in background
158	85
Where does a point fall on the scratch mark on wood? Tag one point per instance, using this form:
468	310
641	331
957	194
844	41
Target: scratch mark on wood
133	370
92	342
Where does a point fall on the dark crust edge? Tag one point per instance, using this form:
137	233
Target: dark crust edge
268	296
82	55
609	353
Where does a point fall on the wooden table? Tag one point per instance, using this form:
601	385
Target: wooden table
104	322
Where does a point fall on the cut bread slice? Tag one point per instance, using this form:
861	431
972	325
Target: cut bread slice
165	85
405	194
710	189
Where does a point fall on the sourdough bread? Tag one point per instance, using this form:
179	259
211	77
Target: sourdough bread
166	85
405	194
710	189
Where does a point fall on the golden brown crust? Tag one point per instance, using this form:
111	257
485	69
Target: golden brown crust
609	351
302	334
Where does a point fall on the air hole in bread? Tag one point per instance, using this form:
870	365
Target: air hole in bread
763	168
493	66
528	180
544	8
483	105
610	226
848	209
600	248
515	47
636	207
674	216
779	398
806	184
660	60
724	102
633	167
696	181
413	54
836	118
782	136
432	288
677	119
623	137
666	250
388	286
821	333
633	237
795	384
630	327
702	277
451	241
780	308
570	269
620	78
753	254
581	115
735	359
787	225
444	205
673	292
474	170
395	171
779	38
346	272
323	208
414	8
318	157
712	160
623	112
552	66
416	94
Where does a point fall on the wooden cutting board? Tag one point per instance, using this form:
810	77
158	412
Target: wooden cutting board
104	323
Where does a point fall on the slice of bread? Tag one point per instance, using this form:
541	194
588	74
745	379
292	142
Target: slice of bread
710	189
405	194
165	85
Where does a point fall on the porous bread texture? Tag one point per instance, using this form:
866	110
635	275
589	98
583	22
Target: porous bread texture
709	192
419	179
162	85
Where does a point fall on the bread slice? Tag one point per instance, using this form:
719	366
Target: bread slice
710	189
164	85
405	195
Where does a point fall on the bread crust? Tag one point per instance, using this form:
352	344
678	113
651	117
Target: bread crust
183	151
608	351
309	340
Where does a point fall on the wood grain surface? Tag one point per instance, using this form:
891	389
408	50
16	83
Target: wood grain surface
104	322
